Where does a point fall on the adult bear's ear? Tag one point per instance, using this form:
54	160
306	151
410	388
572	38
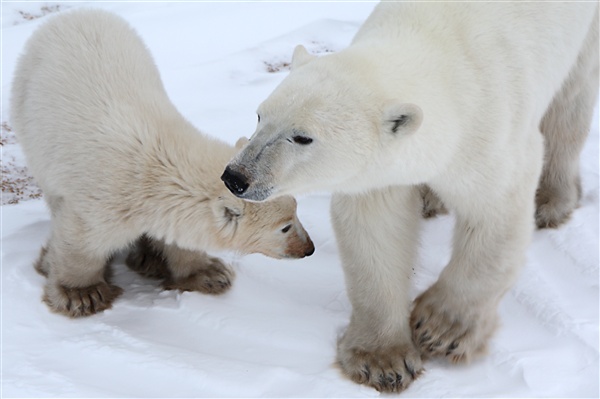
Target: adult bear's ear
402	118
242	141
300	57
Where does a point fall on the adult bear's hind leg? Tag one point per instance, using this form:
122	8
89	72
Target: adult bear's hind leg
565	127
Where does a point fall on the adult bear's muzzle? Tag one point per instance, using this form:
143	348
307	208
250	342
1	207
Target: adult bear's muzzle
236	182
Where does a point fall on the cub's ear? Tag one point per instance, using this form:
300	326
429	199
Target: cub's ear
402	118
227	208
242	141
300	57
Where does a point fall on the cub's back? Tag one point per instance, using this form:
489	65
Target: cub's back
84	97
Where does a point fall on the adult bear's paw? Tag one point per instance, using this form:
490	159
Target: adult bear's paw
442	327
387	369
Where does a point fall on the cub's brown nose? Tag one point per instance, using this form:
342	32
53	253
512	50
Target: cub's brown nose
310	251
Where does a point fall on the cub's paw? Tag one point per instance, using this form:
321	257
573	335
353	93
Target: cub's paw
390	369
80	301
441	329
214	277
432	204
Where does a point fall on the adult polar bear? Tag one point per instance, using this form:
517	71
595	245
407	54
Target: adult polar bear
453	95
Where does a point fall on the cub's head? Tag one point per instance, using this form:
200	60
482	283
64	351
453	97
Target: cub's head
271	228
322	128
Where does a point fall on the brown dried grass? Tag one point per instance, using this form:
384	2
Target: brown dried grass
17	183
45	10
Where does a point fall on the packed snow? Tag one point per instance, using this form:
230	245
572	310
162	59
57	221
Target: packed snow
274	333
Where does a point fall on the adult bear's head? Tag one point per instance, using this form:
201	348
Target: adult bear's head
328	126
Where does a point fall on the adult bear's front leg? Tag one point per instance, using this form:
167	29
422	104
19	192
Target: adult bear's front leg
377	236
456	317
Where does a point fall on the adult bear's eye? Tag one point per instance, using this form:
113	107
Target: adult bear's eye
302	140
258	115
286	228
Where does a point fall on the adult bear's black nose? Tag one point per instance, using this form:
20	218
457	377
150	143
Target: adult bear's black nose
235	181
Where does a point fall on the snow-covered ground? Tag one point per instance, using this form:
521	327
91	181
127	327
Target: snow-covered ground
274	333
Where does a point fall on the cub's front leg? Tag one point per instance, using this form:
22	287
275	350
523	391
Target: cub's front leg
179	268
377	238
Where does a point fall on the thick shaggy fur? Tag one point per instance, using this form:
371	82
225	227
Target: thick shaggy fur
457	96
118	164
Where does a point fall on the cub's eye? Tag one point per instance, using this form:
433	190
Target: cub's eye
258	115
303	140
286	228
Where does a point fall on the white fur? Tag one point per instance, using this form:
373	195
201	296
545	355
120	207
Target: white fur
116	160
445	94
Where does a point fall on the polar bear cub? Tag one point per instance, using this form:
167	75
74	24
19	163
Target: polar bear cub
118	164
454	95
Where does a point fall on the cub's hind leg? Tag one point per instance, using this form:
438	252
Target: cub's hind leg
77	279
